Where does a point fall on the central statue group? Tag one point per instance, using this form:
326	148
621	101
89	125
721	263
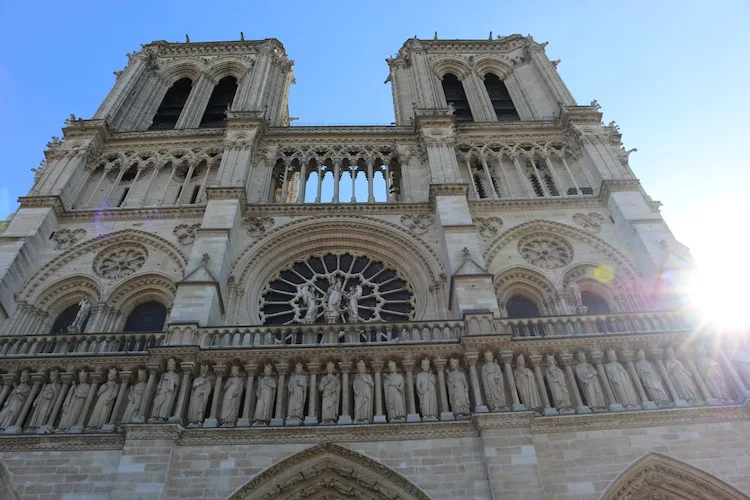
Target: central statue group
333	311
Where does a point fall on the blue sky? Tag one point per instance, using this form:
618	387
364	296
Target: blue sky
673	74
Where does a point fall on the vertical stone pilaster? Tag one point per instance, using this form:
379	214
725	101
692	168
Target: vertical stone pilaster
312	413
278	416
471	360
412	415
377	368
213	418
346	409
144	465
445	411
246	419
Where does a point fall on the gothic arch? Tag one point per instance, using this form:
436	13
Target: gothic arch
140	289
227	66
527	283
66	292
596	278
371	237
451	65
183	68
328	469
493	65
659	476
623	267
97	243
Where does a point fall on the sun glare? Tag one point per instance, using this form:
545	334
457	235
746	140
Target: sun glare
718	295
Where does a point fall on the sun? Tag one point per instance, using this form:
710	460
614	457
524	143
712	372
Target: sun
718	294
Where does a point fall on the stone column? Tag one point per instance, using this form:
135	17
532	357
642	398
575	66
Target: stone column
346	410
188	368
212	420
153	371
8	380
312	413
471	360
278	419
412	416
336	175
96	379
597	357
566	359
627	355
507	357
247	418
67	379
657	353
707	397
536	360
110	426
37	380
379	418
445	411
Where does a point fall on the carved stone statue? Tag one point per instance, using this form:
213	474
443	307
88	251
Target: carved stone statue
714	376
494	387
202	388
165	393
330	394
84	306
458	389
427	392
363	391
308	299
333	301
230	403
106	396
526	384
574	292
43	404
741	357
74	402
15	401
681	379
622	386
355	293
393	385
297	388
265	395
557	386
651	380
135	397
589	380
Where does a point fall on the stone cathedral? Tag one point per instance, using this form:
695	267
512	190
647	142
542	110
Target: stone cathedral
479	301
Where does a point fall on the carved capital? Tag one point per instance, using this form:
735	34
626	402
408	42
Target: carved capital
251	369
345	366
657	352
125	376
628	355
187	367
506	356
282	368
313	367
377	365
408	364
471	358
440	364
220	370
37	378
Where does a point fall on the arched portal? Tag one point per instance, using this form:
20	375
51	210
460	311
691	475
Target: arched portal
328	471
659	476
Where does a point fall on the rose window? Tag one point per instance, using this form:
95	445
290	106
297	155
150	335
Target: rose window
120	262
336	288
545	251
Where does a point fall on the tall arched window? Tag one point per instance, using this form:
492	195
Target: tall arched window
146	317
65	319
500	98
455	95
594	303
521	307
221	98
172	104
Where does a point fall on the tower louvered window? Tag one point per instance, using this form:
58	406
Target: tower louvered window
455	95
221	98
171	106
500	98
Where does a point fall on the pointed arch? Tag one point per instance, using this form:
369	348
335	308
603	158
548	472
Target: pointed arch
137	290
328	468
521	281
659	476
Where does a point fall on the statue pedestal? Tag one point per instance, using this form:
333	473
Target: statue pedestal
616	407
379	419
310	420
76	429
13	429
713	402
583	410
681	403
649	405
175	419
446	415
549	412
292	421
277	422
138	419
519	407
481	409
243	422
413	417
567	411
210	423
45	429
345	420
108	428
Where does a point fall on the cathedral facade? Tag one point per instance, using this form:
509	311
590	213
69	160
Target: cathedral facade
198	300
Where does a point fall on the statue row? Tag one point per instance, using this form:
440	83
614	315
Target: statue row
438	390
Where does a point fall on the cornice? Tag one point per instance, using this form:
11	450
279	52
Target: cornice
517	204
165	49
150	213
226	193
280	210
447	190
346	130
616	185
62	442
40	201
169	432
86	128
151	135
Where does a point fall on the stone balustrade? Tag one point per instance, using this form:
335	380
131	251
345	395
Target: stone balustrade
324	334
597	324
78	344
380	383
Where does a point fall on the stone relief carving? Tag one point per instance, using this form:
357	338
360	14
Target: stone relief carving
297	395
330	395
458	389
166	392
15	401
256	226
265	395
488	227
42	406
120	261
557	386
427	392
202	388
84	307
545	251
681	378
589	380
591	221
494	387
230	403
106	396
652	383
418	224
66	238
622	386
186	233
713	375
393	386
526	385
363	392
74	402
135	397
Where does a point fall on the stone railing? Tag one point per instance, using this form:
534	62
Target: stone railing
325	334
78	344
596	324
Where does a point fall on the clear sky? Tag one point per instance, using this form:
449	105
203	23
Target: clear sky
673	74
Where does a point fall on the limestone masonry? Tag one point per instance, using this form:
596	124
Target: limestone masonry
198	300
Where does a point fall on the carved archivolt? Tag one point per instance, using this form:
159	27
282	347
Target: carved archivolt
657	476
526	282
140	289
329	471
120	261
67	292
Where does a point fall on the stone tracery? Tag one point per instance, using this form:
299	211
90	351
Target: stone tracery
120	262
545	251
